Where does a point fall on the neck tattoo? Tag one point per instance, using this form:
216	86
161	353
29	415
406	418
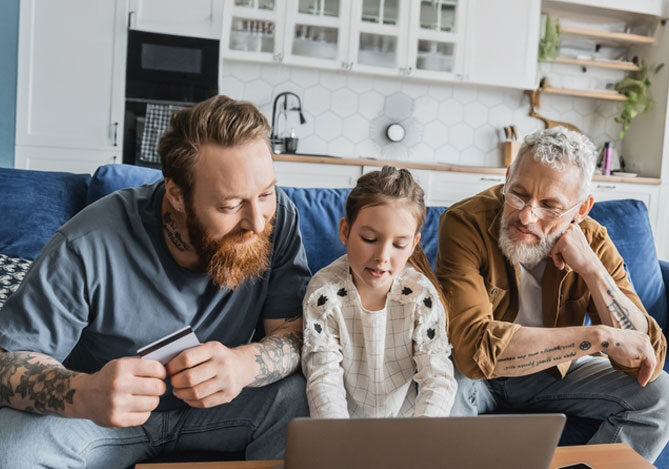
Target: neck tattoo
173	234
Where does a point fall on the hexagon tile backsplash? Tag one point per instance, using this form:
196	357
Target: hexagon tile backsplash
446	123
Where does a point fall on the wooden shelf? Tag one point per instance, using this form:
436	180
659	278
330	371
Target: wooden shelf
595	94
614	64
607	36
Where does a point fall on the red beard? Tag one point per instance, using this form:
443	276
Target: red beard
229	260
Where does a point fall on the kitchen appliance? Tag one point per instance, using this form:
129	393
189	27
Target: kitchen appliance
164	73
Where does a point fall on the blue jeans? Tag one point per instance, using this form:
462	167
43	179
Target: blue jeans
254	423
592	389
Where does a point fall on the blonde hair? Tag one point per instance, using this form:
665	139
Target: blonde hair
389	184
220	120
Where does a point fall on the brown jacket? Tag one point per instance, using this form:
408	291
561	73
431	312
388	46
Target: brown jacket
481	286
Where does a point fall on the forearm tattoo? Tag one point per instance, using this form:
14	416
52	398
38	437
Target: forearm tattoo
277	357
43	386
617	310
547	355
174	236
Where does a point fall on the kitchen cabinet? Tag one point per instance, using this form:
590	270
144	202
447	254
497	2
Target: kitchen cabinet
253	30
377	32
436	39
501	46
316	175
316	33
196	18
451	187
646	7
71	73
73	160
475	41
311	33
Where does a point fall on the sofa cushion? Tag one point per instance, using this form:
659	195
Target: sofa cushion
629	228
112	177
34	205
320	211
12	271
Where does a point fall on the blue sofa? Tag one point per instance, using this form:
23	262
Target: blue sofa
34	204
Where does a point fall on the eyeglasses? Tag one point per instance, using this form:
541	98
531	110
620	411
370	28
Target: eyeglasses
542	213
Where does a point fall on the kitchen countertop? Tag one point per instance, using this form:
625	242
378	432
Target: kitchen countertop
322	159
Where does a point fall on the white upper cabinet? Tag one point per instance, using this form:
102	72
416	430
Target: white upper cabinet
480	41
71	74
196	18
502	42
645	7
436	39
377	38
311	33
316	33
254	30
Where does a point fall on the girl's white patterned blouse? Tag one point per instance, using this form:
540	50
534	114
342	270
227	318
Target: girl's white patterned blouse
388	363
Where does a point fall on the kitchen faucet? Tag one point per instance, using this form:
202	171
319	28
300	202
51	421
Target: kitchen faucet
276	140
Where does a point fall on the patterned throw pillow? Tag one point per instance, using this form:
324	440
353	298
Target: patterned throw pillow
12	271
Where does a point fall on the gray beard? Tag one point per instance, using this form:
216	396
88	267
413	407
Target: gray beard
519	252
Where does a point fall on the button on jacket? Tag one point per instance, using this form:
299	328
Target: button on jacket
481	287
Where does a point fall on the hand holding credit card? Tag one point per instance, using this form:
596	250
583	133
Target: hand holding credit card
168	347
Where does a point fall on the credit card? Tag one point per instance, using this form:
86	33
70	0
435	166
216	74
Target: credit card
165	349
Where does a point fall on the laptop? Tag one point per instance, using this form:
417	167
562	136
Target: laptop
485	442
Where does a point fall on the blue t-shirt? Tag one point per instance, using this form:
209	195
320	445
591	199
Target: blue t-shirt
106	284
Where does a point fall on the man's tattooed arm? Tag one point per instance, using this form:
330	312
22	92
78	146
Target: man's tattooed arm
278	354
173	234
533	349
35	383
614	307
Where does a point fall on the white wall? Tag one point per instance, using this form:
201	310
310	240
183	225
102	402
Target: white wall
456	124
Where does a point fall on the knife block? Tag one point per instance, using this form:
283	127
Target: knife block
511	148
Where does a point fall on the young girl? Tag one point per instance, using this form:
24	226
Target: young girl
374	325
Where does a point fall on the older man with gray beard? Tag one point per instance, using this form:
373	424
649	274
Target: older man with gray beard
521	265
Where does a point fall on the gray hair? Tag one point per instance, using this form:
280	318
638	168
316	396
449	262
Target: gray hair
556	146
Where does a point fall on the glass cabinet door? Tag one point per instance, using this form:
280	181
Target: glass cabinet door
438	15
319	7
316	32
377	31
253	29
437	37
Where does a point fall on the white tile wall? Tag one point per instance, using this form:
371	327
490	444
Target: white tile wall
448	123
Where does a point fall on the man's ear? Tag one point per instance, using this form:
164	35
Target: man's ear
175	195
344	230
584	209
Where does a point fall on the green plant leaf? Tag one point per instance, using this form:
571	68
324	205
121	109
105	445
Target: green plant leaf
549	45
636	87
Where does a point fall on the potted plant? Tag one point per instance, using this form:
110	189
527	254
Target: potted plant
549	45
636	87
